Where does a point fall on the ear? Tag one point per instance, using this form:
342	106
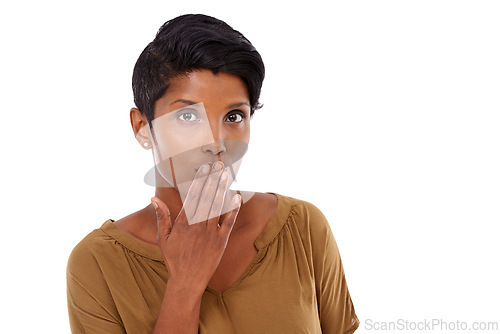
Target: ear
140	127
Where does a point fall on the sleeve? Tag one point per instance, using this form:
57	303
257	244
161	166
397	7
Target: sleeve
336	310
90	306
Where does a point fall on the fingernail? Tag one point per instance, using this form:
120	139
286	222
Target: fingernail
154	204
224	175
236	202
217	165
236	199
205	168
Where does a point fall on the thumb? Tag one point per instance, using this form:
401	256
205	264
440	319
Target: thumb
162	218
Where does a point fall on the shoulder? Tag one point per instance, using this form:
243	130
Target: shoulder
271	201
304	211
90	303
315	231
87	254
307	209
309	220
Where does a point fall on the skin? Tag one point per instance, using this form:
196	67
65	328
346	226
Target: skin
225	251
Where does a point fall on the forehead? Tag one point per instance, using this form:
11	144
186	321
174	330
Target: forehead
214	90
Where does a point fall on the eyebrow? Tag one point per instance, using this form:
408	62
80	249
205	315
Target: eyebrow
189	102
183	101
239	104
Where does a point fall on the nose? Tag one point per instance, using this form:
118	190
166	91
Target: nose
215	147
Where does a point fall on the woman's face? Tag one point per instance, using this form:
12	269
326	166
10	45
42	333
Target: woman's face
202	118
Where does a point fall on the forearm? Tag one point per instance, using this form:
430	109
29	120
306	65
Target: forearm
180	310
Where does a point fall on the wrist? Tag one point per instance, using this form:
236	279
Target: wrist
181	288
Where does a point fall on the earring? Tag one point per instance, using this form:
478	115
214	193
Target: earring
146	144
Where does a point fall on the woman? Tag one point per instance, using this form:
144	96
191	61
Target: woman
203	258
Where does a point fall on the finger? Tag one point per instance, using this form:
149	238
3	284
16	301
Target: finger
218	202
194	192
208	193
163	221
228	222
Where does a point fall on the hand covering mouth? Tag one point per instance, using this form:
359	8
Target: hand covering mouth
209	163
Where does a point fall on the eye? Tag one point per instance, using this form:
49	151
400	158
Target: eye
188	116
236	117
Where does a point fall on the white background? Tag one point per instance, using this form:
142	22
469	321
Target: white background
384	114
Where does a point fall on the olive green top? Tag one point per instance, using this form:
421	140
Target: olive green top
295	283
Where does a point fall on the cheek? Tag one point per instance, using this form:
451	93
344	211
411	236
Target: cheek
247	135
241	133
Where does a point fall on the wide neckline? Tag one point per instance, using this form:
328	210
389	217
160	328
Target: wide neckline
266	236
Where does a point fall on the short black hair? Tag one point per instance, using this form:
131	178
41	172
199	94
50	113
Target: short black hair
194	42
